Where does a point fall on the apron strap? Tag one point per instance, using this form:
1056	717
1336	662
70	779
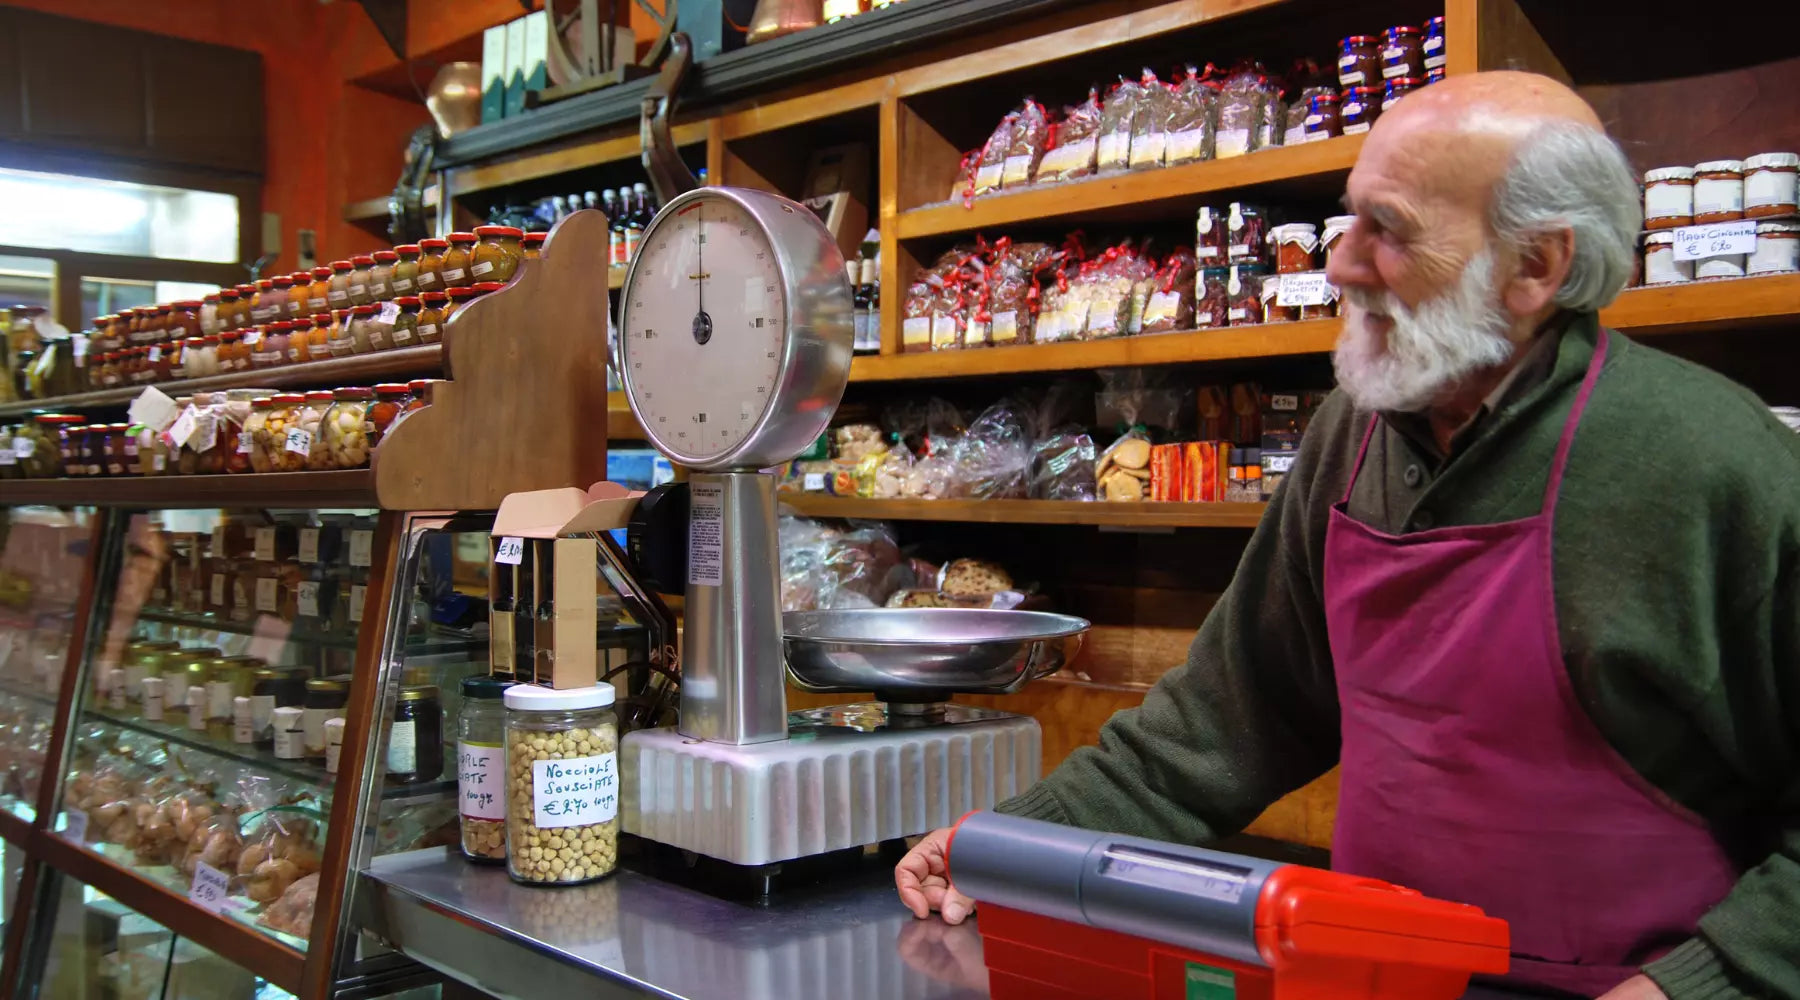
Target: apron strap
1360	453
1554	486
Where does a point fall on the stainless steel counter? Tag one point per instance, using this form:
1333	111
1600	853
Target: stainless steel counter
633	936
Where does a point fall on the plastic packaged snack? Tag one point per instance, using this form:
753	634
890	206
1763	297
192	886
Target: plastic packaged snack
993	460
1246	103
1170	304
292	913
1193	114
1122	473
1150	126
990	166
1025	150
1117	118
1075	148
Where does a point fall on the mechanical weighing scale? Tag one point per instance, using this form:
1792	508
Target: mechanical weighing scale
734	347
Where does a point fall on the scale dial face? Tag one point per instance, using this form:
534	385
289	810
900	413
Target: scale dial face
729	334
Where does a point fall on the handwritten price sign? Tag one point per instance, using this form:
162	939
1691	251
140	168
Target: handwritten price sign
510	551
1721	239
211	890
577	791
478	770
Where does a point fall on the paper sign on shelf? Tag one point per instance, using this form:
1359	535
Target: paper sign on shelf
183	427
362	548
211	889
1720	239
1306	289
265	544
510	551
154	409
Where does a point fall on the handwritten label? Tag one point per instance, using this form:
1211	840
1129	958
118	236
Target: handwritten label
75	825
1308	289
265	544
245	440
23	447
299	440
576	791
362	548
211	889
356	602
206	432
480	769
265	594
510	551
1721	239
309	545
306	599
706	534
183	427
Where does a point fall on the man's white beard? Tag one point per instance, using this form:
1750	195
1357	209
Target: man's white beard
1426	350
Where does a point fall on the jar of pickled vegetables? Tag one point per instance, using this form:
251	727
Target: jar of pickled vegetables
256	428
233	409
347	439
431	317
282	443
405	331
367	332
310	417
44	459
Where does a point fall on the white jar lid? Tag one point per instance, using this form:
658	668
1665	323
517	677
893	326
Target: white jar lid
288	712
1720	166
1660	237
1668	174
1763	161
1293	230
536	698
1773	226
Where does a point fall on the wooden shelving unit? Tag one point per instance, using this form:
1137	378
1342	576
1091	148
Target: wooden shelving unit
345	488
1718	304
1115	515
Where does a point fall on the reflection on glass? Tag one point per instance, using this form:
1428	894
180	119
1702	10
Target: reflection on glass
26	281
62	211
42	550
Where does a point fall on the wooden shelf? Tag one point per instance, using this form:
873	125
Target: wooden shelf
1718	304
1267	340
625	146
1315	166
347	488
1121	515
398	365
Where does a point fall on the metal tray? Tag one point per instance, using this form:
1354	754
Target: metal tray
926	654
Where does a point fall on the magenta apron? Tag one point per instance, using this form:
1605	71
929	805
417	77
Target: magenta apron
1471	772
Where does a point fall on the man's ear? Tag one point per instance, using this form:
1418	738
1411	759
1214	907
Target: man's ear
1543	266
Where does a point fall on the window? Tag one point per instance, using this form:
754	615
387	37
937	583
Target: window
89	215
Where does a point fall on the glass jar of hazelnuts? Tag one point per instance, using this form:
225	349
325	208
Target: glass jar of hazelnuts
562	784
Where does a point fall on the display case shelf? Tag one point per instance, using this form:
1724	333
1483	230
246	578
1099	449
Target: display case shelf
1123	515
341	488
16	690
419	645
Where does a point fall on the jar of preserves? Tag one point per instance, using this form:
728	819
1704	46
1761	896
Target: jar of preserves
362	273
1777	248
182	353
532	246
318	294
1668	197
234	445
367	332
421	394
1718	192
318	339
1243	291
1770	188
282	444
460	297
209	313
498	253
481	767
1724	266
1322	121
381	276
1324	310
1273	310
272	350
455	270
232	353
404	280
431	264
391	400
1359	61
184	320
1399	87
1336	227
1212	307
1433	48
1358	109
246	302
1294	244
569	803
339	342
255	427
338	294
343	426
143	369
159	325
415	750
309	417
113	450
326	698
1403	53
212	440
431	317
1660	265
299	290
405	332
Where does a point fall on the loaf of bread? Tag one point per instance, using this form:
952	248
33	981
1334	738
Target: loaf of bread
973	578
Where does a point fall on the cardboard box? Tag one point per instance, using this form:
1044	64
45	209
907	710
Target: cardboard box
515	68
493	74
537	52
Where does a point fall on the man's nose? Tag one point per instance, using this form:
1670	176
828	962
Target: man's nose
1352	263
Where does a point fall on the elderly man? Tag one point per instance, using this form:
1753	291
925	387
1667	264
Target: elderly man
1535	586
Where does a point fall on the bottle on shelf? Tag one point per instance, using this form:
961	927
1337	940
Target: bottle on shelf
590	200
636	218
616	218
868	295
558	207
858	313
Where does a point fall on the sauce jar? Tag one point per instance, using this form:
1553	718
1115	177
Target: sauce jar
1358	109
1212	301
208	356
415	750
1326	310
344	428
431	264
432	316
1668	197
1769	185
460	299
299	291
1243	291
405	332
1273	310
362	272
1403	53
326	698
162	358
497	256
159	325
152	452
1777	248
532	246
1718	192
457	260
1336	228
570	804
256	430
318	339
184	320
1433	49
404	280
1322	121
337	293
1294	244
1359	61
381	276
318	294
1398	88
367	331
481	768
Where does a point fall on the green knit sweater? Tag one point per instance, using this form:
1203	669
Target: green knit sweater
1677	579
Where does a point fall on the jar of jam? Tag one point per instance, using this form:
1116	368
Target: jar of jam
1243	290
405	332
415	750
318	294
1358	109
272	688
1433	49
272	349
1246	232
342	275
432	317
1403	53
1769	185
1212	307
326	698
232	352
71	436
431	264
1718	191
457	260
1322	121
234	445
366	331
318	339
404	280
381	276
299	289
1294	244
1359	61
1273	310
497	256
178	363
362	273
1777	248
391	400
209	355
1336	227
159	325
532	246
184	320
1668	197
1324	310
1399	87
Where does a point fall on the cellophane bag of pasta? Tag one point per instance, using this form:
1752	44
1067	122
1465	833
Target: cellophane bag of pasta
1075	143
1030	138
1110	280
915	315
991	167
1193	113
1117	118
1150	126
1013	289
1170	303
949	311
1247	100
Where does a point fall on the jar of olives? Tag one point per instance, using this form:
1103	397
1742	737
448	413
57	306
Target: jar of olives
281	442
344	428
498	253
562	784
405	278
44	459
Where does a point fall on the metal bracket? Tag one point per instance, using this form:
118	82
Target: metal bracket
662	160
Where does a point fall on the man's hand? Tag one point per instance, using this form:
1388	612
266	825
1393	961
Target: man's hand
923	878
1635	988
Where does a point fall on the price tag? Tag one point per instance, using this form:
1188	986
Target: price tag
211	889
183	427
511	551
8	456
1721	239
265	544
306	597
309	545
156	354
244	442
577	791
75	825
206	432
1308	289
362	548
299	440
22	447
813	482
1283	462
265	594
1285	402
357	593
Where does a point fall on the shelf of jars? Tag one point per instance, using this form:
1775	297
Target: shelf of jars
1126	515
336	488
428	643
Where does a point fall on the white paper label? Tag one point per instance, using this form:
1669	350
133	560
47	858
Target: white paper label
299	440
706	534
306	599
427	279
1351	79
913	330
265	544
1161	306
8	456
206	432
1663	200
1357	129
453	274
1711	196
1231	142
510	551
362	547
987	177
262	714
309	545
427	330
1437	61
480	772
1147	150
1763	188
339	296
1016	171
1308	289
290	744
402	285
1185	146
183	427
1004	329
357	592
358	291
265	594
378	289
485	267
813	482
1115	150
1345	62
1283	462
22	447
402	336
211	888
575	791
403	747
75	825
1720	239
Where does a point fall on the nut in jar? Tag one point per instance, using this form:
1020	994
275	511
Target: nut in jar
562	784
